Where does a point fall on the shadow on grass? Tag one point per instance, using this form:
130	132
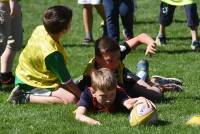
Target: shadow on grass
191	97
176	51
179	21
145	22
161	123
78	45
179	38
166	100
139	22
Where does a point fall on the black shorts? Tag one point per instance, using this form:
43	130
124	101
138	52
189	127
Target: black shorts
167	12
129	80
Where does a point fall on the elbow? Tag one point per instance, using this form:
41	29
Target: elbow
143	35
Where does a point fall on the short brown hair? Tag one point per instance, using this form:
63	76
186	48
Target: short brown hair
103	79
56	18
105	44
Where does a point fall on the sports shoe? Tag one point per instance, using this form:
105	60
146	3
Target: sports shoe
87	41
160	80
18	97
195	45
171	87
160	40
143	70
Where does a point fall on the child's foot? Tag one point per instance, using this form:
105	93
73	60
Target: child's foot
87	41
160	80
18	97
160	40
171	87
195	45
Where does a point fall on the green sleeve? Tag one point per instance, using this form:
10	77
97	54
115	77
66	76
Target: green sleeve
55	63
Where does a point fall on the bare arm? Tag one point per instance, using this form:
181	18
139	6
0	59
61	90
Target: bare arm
80	115
143	39
73	88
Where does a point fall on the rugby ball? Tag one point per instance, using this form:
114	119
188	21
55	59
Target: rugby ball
142	115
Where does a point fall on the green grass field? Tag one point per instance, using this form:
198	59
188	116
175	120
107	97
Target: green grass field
175	60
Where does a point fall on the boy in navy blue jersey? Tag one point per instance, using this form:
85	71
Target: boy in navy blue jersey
109	54
105	96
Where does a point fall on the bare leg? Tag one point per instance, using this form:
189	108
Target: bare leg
7	60
161	37
194	33
161	30
88	20
66	96
101	12
60	96
141	88
45	99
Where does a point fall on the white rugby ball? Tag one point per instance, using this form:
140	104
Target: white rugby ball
142	115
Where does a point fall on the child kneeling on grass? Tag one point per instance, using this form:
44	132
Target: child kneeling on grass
105	96
41	74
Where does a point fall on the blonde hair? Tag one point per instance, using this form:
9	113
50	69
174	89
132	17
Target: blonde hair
103	79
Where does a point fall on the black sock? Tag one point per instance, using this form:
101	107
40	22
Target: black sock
5	76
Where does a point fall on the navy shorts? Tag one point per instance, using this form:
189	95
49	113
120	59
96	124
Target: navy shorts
167	12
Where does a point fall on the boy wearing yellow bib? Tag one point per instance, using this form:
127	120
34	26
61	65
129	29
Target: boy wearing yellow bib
167	8
41	74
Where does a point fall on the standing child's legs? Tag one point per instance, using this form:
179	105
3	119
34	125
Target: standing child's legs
111	8
166	17
11	39
6	60
87	22
194	33
193	22
100	11
126	8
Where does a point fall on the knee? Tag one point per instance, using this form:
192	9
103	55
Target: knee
123	10
70	99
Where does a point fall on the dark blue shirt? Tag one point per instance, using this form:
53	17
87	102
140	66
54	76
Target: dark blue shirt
90	102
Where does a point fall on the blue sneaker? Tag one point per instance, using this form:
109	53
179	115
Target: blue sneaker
195	45
143	70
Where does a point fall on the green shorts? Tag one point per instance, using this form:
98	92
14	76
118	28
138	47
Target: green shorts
33	90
